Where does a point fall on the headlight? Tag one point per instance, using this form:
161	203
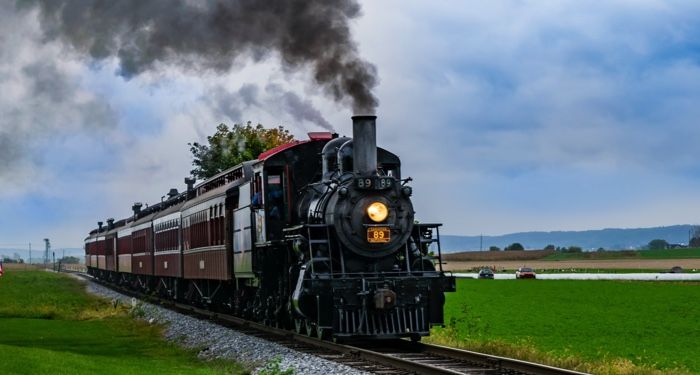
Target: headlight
377	211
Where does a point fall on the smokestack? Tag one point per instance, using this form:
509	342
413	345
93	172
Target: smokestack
99	226
364	144
136	208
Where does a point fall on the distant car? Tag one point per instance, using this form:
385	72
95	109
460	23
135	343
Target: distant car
525	273
486	273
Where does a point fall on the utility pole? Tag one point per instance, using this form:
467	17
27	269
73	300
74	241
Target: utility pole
481	242
30	253
46	252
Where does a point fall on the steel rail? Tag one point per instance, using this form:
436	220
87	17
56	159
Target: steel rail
493	360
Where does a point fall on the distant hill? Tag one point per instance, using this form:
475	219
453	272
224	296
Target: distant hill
609	239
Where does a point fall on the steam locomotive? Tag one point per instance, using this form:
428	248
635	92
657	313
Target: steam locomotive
317	236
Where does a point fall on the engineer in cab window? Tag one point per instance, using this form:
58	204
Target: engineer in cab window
275	196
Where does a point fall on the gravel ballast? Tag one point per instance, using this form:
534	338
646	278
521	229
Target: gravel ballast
221	342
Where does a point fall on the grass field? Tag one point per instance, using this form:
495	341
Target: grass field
603	327
49	325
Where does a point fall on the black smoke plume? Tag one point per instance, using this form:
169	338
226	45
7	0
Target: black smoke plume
215	35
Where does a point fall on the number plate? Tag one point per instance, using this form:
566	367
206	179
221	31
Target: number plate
374	183
378	234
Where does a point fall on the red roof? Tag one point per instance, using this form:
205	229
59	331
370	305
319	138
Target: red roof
279	149
313	136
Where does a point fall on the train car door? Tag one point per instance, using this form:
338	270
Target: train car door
242	233
276	204
258	207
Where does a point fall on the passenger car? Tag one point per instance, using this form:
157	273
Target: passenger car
486	273
525	273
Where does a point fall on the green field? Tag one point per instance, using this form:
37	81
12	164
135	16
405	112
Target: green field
50	325
615	327
691	253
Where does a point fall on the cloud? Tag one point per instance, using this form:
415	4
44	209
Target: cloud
274	99
42	98
527	94
510	116
542	85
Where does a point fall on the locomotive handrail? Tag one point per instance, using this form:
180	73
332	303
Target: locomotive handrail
432	239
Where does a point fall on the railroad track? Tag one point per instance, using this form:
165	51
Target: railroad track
389	357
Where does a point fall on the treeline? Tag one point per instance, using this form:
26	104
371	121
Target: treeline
497	255
18	260
517	246
6	259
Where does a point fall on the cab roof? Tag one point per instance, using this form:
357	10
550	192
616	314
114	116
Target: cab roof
313	136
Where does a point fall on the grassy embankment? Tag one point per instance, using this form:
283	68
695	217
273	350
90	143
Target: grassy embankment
50	325
602	327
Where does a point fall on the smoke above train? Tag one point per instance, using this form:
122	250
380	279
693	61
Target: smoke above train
216	36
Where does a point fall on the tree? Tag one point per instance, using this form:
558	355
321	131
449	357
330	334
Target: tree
229	147
550	247
694	242
494	248
658	244
694	237
516	246
575	249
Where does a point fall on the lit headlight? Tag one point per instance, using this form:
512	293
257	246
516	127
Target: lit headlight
377	211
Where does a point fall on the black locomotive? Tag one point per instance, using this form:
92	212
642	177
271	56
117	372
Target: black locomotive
318	236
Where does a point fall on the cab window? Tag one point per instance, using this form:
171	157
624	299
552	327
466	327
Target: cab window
275	197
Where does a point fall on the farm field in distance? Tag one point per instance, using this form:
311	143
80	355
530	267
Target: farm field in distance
689	253
50	325
613	327
633	261
651	265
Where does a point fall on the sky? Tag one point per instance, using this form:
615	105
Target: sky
509	116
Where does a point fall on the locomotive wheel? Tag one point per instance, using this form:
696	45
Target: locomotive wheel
299	326
310	329
323	333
